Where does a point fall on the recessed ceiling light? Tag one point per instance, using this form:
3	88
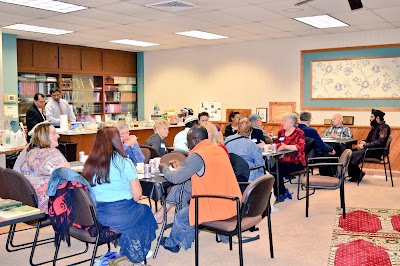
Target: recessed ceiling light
50	5
31	28
322	22
135	43
201	35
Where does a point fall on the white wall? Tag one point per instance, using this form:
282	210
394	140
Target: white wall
1	80
245	75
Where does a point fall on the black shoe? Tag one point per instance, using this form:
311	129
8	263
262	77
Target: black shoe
174	249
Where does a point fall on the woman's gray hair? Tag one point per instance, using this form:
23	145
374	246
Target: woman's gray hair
293	117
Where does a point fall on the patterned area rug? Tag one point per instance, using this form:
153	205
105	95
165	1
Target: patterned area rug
366	237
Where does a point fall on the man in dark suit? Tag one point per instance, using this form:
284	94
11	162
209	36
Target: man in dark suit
322	149
35	114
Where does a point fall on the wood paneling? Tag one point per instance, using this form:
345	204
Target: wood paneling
45	56
70	58
119	62
92	60
25	54
359	133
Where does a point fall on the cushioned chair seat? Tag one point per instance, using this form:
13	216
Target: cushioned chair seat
321	181
373	160
230	224
81	235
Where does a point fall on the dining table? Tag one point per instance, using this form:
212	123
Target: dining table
339	145
272	158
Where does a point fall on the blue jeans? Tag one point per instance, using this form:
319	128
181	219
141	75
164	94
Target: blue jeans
181	233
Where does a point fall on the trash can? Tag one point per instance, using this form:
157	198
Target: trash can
68	149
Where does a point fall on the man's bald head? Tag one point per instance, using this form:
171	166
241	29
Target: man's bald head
337	120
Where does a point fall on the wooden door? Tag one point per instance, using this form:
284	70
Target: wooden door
25	54
70	58
119	63
92	60
45	56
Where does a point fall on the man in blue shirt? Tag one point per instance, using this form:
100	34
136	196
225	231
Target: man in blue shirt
322	149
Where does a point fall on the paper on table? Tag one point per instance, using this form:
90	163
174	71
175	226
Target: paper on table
328	139
172	169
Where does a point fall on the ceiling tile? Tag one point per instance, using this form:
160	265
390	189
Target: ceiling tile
380	4
257	28
220	18
26	11
358	17
253	13
341	29
389	14
59	25
95	23
10	18
329	6
309	32
108	16
137	11
289	10
376	26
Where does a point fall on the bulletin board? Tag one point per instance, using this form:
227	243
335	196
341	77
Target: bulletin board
278	109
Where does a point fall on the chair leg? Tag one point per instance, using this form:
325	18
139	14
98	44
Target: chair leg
230	243
56	251
34	244
362	167
271	244
384	167
240	247
390	171
95	250
196	232
342	200
307	194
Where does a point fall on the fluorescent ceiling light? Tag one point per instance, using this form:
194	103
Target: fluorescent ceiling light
135	43
322	22
201	35
31	28
50	5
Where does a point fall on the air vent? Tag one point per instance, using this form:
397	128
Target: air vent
172	5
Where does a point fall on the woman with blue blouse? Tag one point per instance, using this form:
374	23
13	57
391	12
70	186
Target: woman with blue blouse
116	185
240	144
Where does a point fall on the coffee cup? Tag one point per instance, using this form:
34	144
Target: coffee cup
157	159
140	168
267	147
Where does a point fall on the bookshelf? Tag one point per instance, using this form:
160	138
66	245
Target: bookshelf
120	97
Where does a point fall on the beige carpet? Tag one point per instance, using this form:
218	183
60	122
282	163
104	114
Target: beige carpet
297	240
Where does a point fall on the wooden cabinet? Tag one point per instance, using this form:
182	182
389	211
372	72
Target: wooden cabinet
25	54
119	62
92	60
45	56
69	58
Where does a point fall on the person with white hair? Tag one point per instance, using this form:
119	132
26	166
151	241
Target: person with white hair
338	130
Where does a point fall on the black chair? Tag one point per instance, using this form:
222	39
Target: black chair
242	170
385	160
153	152
85	214
327	182
15	186
254	206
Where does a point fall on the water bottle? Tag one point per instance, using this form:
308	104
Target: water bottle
128	118
274	148
152	163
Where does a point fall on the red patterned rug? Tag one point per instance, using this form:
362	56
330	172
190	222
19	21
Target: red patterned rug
366	237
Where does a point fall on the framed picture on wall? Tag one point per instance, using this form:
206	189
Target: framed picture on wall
263	112
348	120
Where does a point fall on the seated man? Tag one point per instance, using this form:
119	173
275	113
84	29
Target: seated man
258	135
180	138
205	162
322	149
377	138
337	130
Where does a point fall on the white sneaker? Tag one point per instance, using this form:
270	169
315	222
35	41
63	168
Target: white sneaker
149	254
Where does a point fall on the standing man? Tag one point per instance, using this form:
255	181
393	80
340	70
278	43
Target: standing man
56	107
205	162
377	138
35	114
337	130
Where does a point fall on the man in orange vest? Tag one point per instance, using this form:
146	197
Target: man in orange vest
210	170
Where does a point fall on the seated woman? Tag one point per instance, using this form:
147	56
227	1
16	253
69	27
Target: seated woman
41	158
130	143
116	186
160	133
204	117
289	138
232	128
241	145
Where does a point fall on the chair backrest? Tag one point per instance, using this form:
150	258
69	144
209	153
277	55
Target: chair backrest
173	156
153	152
3	186
82	205
256	196
388	142
309	148
146	152
240	167
343	160
19	188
